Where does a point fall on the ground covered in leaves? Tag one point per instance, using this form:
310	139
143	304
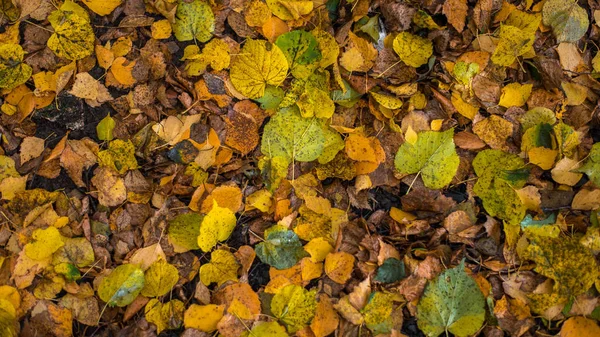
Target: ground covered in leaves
299	168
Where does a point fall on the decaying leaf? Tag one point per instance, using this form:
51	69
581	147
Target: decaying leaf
122	285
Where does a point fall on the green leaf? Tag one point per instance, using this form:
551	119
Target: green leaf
465	71
294	306
281	249
346	97
390	271
122	285
537	116
568	20
194	21
291	136
591	167
452	302
433	155
105	128
301	49
271	98
500	173
13	72
160	278
183	231
333	144
378	313
413	50
259	63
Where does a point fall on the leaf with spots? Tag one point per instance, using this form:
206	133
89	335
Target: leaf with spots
433	156
451	303
294	306
194	21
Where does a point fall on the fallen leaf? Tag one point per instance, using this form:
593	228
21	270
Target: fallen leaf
122	285
194	21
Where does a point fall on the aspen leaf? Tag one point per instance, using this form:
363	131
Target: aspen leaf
160	278
257	13
433	155
203	317
513	43
456	12
463	108
102	7
576	93
329	48
360	54
378	312
13	72
194	21
183	231
413	50
46	242
294	306
261	200
161	29
318	248
452	302
500	173
494	131
73	36
119	156
326	319
75	251
105	128
339	266
225	196
387	101
591	167
290	9
267	329
122	71
281	249
390	271
222	267
580	327
166	316
216	226
568	20
515	94
111	187
122	285
258	64
291	136
565	172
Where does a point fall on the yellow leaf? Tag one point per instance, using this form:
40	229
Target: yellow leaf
290	9
161	29
294	306
216	226
46	242
257	13
102	7
329	48
360	54
494	131
111	188
576	93
542	157
222	267
513	42
11	294
565	172
261	200
580	327
515	94
167	316
73	36
315	103
413	50
400	215
387	101
122	285
326	318
339	266
411	136
463	108
318	248
122	46
122	71
160	278
203	317
310	270
225	196
216	53
13	72
258	64
12	185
